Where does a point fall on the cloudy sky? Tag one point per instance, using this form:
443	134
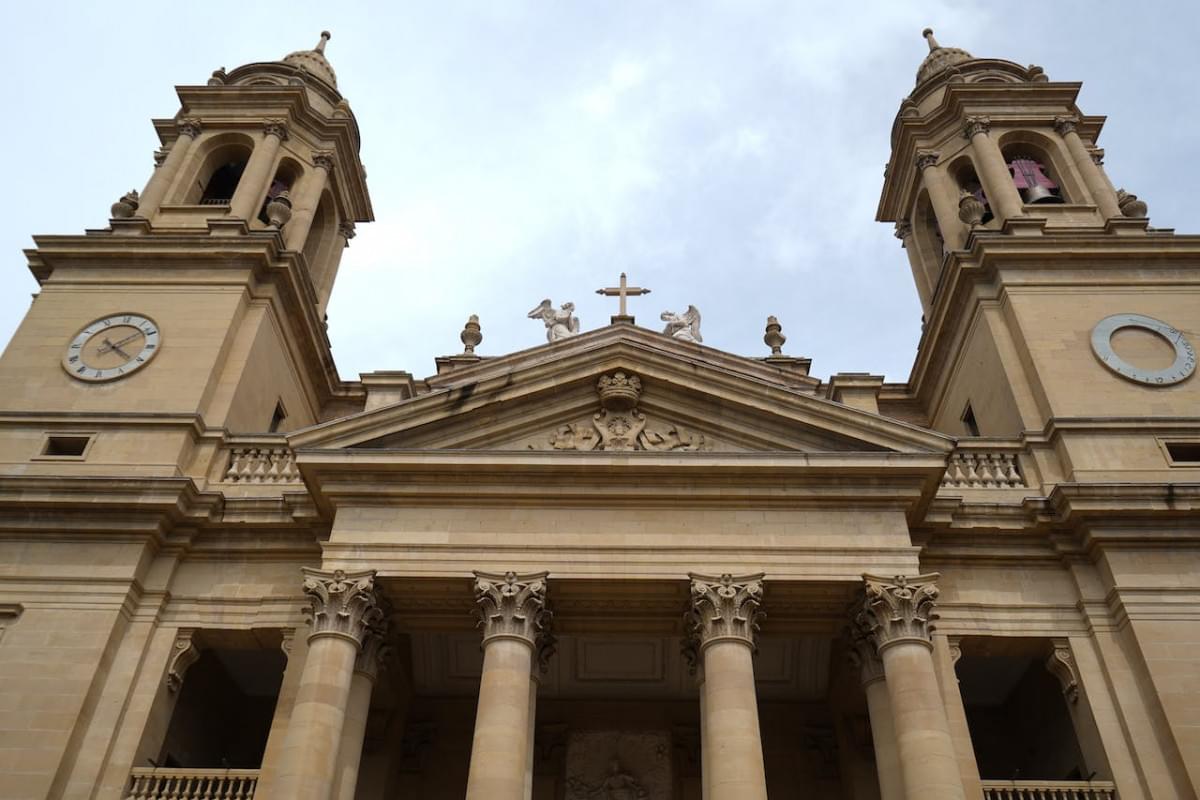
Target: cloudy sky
725	154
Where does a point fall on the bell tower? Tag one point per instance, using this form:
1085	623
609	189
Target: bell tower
1048	299
201	306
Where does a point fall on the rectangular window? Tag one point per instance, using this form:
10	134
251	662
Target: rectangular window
1182	454
968	421
278	417
65	446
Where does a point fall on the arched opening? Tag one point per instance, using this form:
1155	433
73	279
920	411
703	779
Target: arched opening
219	172
1032	167
286	176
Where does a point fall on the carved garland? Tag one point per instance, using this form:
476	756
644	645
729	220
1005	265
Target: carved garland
343	603
898	609
513	606
724	608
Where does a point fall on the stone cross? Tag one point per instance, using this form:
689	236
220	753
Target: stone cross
623	291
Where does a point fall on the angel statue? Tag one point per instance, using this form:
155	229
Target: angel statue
559	324
685	326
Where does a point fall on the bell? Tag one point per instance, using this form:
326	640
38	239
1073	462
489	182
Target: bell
1039	194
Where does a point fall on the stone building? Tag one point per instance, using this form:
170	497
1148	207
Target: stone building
621	564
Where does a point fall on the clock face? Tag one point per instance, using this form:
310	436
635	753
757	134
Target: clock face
112	347
1180	370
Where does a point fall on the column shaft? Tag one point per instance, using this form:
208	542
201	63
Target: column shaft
927	760
499	750
997	182
255	180
310	751
1097	182
164	176
529	736
883	734
943	196
304	204
734	760
358	706
705	794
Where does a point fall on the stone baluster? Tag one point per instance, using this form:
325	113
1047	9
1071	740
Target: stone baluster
993	172
345	609
256	178
514	618
723	619
865	659
1101	190
366	668
164	174
895	617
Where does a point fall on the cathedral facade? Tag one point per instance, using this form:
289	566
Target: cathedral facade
622	564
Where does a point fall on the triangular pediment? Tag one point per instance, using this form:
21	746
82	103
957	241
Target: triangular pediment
659	394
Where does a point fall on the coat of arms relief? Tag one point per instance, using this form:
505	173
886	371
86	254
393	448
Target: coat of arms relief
620	426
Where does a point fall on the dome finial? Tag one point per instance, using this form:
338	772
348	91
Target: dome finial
325	37
928	34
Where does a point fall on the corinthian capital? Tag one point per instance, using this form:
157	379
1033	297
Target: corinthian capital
375	650
724	608
898	609
1065	124
863	656
276	128
976	125
343	603
189	126
323	159
512	606
904	230
926	158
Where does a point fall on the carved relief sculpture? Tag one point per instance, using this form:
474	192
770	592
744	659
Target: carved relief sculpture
685	326
559	324
619	765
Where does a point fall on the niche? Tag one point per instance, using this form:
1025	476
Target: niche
220	172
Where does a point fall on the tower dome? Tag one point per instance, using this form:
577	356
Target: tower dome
939	58
314	61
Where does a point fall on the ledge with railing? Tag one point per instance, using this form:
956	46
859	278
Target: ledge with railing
985	465
260	463
1049	790
156	783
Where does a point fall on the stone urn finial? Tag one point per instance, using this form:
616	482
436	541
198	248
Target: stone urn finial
970	209
471	335
126	207
279	210
218	77
1130	205
774	337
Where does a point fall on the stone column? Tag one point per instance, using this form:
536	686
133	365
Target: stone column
723	620
865	659
943	196
256	178
895	616
997	182
1096	181
164	174
344	610
306	200
366	668
514	618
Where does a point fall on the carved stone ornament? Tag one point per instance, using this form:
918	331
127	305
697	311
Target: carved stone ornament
512	606
926	158
346	230
189	126
561	324
685	326
973	126
1097	154
375	651
323	159
620	427
1061	664
619	765
1131	206
724	608
279	210
276	128
126	207
863	657
898	609
471	335
774	337
184	653
1036	74
970	209
343	603
218	77
1065	124
903	230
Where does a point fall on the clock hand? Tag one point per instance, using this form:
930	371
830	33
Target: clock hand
115	348
117	345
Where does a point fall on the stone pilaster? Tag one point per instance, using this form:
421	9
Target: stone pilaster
514	619
722	621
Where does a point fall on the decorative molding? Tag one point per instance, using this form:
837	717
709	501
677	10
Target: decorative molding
1061	664
903	230
344	604
1097	154
184	653
375	651
1066	124
862	656
346	229
287	641
926	158
954	645
512	606
973	126
898	609
724	608
323	159
189	126
276	128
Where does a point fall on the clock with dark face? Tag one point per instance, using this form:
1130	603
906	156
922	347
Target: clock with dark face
1185	354
112	347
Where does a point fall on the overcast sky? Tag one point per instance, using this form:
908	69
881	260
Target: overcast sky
724	154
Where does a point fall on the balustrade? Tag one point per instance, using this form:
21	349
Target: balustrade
191	784
983	469
1049	790
262	465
